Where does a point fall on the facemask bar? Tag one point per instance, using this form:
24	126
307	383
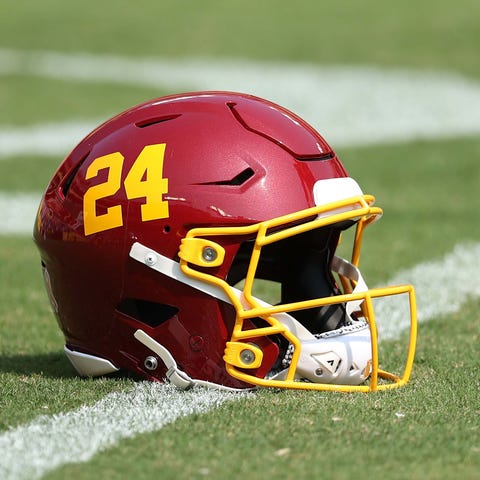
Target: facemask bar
198	250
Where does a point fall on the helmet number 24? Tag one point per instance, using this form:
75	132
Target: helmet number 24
143	180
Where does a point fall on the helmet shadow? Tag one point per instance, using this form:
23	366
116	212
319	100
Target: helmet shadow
51	365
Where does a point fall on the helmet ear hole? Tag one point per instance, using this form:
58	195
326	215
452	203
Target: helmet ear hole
149	313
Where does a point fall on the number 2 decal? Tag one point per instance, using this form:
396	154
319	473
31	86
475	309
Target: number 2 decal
144	180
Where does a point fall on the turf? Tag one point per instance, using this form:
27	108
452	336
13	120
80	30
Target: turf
429	199
429	35
57	100
429	191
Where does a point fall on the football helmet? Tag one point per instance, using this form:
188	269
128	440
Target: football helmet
164	232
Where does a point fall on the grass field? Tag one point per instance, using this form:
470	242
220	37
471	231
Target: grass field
428	187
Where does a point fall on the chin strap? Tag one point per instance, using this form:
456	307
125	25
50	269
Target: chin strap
350	271
174	375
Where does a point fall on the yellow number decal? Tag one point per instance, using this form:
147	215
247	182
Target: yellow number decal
145	180
94	223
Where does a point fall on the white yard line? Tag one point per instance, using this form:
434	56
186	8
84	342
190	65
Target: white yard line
350	105
54	139
442	286
48	442
17	212
74	437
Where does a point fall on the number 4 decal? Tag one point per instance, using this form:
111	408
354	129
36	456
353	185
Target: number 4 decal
144	180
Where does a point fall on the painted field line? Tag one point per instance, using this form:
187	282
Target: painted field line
17	212
441	287
350	105
48	442
75	437
47	139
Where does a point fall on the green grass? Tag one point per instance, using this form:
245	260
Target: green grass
26	102
33	176
429	192
426	35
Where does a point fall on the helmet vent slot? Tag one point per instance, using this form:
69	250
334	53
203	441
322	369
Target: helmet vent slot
149	313
236	181
316	158
71	176
155	120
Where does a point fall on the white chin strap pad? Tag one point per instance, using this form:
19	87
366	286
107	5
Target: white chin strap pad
341	356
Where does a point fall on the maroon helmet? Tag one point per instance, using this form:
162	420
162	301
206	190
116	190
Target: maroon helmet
156	232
